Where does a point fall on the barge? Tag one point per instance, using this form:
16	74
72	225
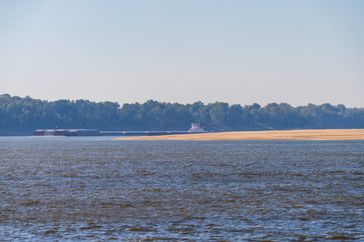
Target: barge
195	128
66	132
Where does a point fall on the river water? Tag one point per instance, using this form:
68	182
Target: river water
99	189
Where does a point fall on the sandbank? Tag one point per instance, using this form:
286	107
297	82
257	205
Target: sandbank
317	134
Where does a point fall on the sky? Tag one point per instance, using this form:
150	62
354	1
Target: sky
235	51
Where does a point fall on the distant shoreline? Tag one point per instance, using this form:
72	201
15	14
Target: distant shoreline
318	134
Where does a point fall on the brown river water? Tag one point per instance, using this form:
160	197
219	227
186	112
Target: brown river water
97	189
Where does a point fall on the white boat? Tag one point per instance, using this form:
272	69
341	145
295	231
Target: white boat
197	128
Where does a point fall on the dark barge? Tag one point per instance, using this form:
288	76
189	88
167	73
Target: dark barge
195	128
93	132
66	132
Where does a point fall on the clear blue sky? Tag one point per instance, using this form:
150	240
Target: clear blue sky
299	52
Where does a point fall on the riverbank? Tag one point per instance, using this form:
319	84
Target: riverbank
321	134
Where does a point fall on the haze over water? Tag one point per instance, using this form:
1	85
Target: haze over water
99	189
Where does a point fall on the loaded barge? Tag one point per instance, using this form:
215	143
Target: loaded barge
66	132
195	128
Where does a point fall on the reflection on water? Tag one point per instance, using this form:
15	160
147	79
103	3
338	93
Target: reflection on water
99	189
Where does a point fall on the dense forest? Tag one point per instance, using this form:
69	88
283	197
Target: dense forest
21	115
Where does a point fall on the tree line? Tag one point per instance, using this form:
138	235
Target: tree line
17	113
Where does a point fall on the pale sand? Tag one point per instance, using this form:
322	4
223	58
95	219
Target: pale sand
322	134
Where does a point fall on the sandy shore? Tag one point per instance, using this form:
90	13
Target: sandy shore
322	134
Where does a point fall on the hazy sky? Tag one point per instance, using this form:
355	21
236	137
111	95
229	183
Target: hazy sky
183	51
